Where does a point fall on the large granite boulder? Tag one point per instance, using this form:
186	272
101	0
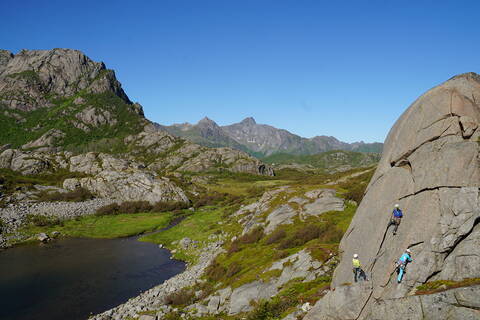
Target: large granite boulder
24	162
129	186
431	167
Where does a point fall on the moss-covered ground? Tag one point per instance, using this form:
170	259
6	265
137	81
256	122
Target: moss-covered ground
115	226
204	226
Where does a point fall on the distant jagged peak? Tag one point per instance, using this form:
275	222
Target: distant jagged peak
206	121
249	121
182	125
323	137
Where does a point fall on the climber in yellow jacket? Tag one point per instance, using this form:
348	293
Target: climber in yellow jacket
358	273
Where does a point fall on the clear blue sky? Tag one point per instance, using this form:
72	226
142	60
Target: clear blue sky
341	68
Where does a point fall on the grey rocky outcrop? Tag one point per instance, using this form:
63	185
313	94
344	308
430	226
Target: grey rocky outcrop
279	216
24	162
43	237
28	76
324	200
314	203
129	186
431	167
47	141
96	117
242	297
173	154
109	177
300	265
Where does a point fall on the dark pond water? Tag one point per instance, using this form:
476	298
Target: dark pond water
71	278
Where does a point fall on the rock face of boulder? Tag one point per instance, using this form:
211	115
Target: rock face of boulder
431	167
129	186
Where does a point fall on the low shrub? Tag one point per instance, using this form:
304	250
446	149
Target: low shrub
135	207
307	233
181	297
214	198
163	206
326	232
232	199
233	269
140	207
254	191
109	209
208	199
215	271
272	309
356	186
276	236
175	315
280	254
76	195
355	193
301	236
331	234
234	247
252	237
43	221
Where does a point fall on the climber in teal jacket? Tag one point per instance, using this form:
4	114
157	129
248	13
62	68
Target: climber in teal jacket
402	264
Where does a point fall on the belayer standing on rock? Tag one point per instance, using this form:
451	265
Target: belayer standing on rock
358	273
397	216
402	264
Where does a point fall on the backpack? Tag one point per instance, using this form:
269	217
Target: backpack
397	213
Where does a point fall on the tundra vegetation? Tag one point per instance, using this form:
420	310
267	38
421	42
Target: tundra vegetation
211	216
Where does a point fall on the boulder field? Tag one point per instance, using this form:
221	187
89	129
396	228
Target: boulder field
430	166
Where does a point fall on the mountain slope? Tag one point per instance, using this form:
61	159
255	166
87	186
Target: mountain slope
206	132
61	111
262	140
326	160
64	99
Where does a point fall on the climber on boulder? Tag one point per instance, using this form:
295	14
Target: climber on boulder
401	264
358	273
397	216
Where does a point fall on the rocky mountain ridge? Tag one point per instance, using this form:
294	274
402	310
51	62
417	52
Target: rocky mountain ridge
61	101
61	112
261	139
330	161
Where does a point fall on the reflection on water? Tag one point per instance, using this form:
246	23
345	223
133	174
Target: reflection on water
72	278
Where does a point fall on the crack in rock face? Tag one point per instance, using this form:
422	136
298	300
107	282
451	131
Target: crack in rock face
431	167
